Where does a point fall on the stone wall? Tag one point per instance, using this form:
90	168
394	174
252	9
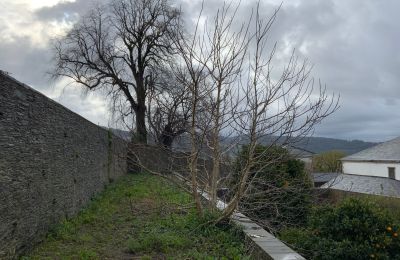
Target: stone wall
162	161
52	162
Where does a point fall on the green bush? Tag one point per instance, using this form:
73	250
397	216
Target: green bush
354	229
280	194
328	161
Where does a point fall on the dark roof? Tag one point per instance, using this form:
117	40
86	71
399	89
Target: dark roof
299	153
365	184
324	176
387	151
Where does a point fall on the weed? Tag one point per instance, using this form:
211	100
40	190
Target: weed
141	215
87	254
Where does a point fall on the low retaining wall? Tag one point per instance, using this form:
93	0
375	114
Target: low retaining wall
263	245
156	159
333	196
163	161
52	162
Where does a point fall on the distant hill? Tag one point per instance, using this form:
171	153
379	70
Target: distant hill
323	144
312	144
126	135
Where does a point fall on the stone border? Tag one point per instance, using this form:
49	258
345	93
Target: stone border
263	243
266	246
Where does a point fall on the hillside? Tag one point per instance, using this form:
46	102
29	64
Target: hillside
312	144
323	144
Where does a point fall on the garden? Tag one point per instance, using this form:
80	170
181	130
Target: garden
141	216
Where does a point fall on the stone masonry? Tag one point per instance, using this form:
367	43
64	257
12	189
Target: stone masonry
52	162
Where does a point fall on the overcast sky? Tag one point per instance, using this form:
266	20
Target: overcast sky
353	44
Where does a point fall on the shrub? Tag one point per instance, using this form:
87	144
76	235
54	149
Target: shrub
328	161
354	229
280	194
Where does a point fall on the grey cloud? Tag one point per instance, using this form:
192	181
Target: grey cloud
25	61
352	44
90	105
67	11
353	47
362	118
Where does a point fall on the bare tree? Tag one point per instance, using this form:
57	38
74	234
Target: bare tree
280	192
243	95
114	48
168	105
234	90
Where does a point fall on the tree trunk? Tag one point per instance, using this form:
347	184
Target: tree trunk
216	148
167	137
140	112
139	137
141	131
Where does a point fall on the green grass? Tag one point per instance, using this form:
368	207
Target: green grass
140	217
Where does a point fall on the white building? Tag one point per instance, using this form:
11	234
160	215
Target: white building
382	160
375	170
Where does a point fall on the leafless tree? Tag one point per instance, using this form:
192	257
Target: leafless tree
234	90
115	47
241	94
168	105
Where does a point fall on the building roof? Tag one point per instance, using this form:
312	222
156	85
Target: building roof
299	152
365	184
323	176
387	151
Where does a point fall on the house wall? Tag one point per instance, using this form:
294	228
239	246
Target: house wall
370	168
52	162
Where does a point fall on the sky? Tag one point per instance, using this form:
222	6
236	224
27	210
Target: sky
352	44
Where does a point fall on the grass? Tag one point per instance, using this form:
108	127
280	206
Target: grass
140	217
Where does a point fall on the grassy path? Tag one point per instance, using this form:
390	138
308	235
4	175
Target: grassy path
140	217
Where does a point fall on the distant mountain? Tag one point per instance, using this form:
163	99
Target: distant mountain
126	135
323	144
311	144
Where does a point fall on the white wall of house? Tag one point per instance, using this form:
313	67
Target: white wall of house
371	168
